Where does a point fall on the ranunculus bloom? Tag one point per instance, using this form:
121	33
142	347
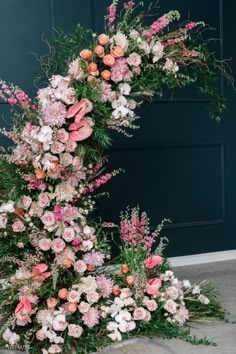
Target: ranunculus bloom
109	60
86	54
139	313
71	307
153	286
92	67
103	39
153	261
99	50
75	330
117	52
63	293
51	303
40	174
39	272
106	75
45	244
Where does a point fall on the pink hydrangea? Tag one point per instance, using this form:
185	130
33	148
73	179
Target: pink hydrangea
91	318
54	114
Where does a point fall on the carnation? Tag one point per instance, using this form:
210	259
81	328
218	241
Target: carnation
182	315
54	114
172	292
91	318
83	307
105	286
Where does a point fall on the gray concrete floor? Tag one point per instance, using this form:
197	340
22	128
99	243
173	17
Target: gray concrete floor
223	276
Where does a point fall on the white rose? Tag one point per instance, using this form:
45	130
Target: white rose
75	330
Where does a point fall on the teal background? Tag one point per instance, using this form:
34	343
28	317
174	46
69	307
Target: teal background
181	164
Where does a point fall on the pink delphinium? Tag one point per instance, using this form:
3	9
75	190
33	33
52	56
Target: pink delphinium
158	25
54	114
111	15
91	318
105	286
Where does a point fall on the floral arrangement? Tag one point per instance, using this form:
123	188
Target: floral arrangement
60	290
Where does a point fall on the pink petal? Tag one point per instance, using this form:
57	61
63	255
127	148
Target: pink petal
40	268
74	126
47	274
78	109
83	133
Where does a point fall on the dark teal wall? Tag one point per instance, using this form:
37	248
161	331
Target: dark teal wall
180	164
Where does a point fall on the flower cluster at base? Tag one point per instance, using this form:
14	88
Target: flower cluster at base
55	287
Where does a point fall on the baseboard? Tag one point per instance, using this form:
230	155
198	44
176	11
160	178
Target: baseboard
202	258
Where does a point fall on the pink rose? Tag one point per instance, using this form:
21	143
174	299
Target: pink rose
151	305
172	292
92	297
83	307
134	59
170	306
77	163
71	146
66	159
153	261
18	226
40	335
45	244
48	218
147	317
73	296
54	349
62	135
139	313
26	201
57	147
69	234
153	286
58	245
75	330
43	200
80	266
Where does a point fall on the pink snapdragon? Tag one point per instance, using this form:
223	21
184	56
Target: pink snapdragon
160	24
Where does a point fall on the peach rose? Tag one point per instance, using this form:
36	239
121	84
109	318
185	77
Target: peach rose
51	303
152	261
40	174
103	39
86	54
67	262
63	293
124	268
130	280
92	67
71	307
109	60
106	75
153	286
99	51
117	52
116	290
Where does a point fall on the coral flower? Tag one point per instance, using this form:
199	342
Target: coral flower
130	280
109	60
117	52
86	54
106	75
99	51
39	272
153	261
103	39
40	174
92	67
67	262
19	212
116	290
23	309
91	268
55	168
51	303
71	307
63	293
124	268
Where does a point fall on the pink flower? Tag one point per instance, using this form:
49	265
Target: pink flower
120	71
91	318
170	306
139	313
147	317
26	201
79	109
172	292
66	159
152	261
71	146
43	200
22	311
83	307
153	286
134	59
182	315
11	337
40	335
62	135
73	296
151	305
82	132
80	266
45	244
57	147
69	234
54	114
59	323
58	245
48	218
18	226
39	272
92	297
105	286
75	330
54	349
94	258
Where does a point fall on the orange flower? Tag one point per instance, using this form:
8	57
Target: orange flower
99	50
71	307
103	39
106	75
56	167
86	54
117	52
109	60
51	303
116	290
67	262
63	293
124	268
40	174
92	67
90	268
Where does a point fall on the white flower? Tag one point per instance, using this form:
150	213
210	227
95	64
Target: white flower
196	290
45	136
60	81
11	337
125	293
7	207
75	330
134	34
124	89
83	307
121	112
80	266
3	221
87	245
54	349
121	101
134	59
75	70
143	46
131	326
186	284
172	292
115	336
73	296
92	297
158	51
120	39
59	323
170	66
123	315
203	299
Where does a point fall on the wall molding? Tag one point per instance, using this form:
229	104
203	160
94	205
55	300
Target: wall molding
202	258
